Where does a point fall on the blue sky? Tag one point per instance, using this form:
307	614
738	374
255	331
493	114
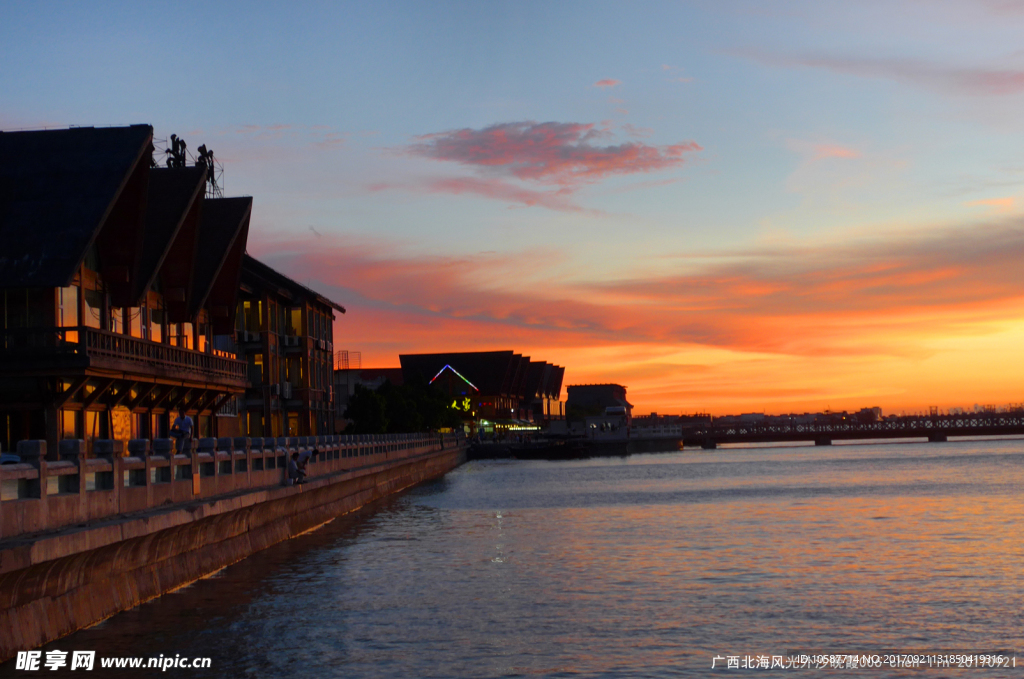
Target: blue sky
725	206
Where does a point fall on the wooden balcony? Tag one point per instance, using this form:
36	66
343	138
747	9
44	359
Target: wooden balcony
69	351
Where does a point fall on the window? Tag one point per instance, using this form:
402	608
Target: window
186	336
93	311
67	311
136	322
94	425
117	320
255	423
140	425
156	325
256	369
69	424
203	337
252	315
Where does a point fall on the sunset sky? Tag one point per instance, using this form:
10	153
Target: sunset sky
725	206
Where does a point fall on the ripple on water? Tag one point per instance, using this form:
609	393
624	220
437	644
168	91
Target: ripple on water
647	566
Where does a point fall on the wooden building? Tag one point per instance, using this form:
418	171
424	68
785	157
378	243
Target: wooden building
285	333
118	288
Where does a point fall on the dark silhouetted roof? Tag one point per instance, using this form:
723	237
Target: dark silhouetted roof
602	395
172	192
223	220
56	189
491	372
262	275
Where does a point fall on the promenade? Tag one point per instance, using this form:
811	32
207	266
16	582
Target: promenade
86	537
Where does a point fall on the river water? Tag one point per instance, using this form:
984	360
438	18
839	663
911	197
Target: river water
647	566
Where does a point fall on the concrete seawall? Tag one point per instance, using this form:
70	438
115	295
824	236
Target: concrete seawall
54	583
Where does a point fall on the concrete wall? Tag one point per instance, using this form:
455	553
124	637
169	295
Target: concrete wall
54	583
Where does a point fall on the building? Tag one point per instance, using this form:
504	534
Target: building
285	334
502	388
597	399
118	283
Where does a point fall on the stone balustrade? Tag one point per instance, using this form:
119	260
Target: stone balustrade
42	494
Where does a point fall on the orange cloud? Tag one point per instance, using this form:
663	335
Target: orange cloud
1000	204
783	329
607	83
833	151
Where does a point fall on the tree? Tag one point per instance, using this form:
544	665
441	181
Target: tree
368	412
405	409
402	411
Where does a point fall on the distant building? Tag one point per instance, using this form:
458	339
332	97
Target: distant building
504	388
285	334
595	399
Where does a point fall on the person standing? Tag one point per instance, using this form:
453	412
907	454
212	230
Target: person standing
181	431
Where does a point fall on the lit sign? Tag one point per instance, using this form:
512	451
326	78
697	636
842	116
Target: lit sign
465	405
448	367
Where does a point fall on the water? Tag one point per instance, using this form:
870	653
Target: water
647	566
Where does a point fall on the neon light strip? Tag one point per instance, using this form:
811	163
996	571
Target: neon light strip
448	367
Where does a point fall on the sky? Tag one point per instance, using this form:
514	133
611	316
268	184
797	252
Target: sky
724	206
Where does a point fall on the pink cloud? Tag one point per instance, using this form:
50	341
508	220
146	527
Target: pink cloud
969	80
555	153
488	188
607	83
504	191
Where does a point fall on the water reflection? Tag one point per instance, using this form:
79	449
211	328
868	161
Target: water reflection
643	566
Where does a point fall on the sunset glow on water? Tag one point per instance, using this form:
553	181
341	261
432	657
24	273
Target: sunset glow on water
647	566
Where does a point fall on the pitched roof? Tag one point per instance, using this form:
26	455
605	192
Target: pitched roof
264	275
57	188
223	221
172	194
489	371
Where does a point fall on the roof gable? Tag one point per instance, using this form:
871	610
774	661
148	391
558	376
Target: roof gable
57	189
222	222
172	216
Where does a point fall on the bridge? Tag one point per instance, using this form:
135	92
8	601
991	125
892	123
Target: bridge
935	428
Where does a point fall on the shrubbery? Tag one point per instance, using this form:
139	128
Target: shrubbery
405	409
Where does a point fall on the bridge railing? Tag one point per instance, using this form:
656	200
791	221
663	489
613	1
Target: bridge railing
960	424
82	486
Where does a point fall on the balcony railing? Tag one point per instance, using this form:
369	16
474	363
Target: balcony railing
103	345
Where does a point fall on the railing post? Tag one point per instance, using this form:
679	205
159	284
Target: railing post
74	450
33	452
112	451
241	445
